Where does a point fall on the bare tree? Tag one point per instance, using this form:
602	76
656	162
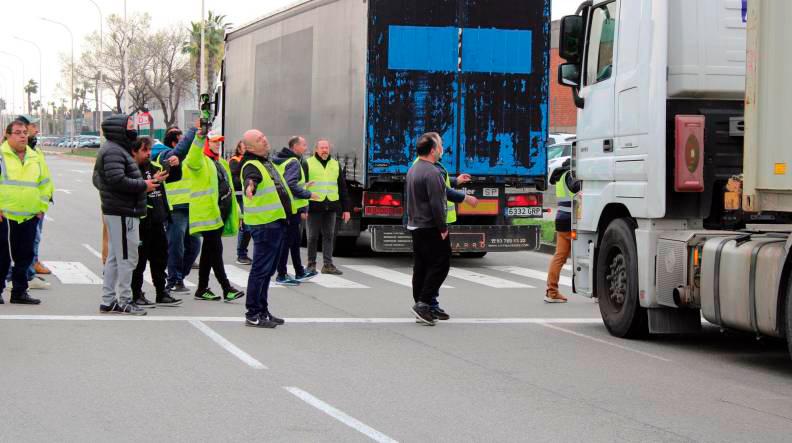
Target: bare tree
119	38
167	73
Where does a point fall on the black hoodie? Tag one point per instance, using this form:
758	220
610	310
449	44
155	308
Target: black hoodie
121	186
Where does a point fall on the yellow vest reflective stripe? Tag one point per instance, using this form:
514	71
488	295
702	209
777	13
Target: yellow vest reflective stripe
297	203
451	215
325	179
201	173
265	206
563	195
25	188
179	191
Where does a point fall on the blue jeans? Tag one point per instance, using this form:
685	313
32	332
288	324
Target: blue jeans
183	248
243	240
267	243
291	245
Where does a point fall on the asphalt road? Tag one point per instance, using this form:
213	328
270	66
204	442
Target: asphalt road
351	364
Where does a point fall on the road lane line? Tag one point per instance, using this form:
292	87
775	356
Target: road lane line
48	218
605	342
547	257
65	191
304	320
335	282
73	273
146	275
239	277
339	415
531	273
227	345
390	275
483	279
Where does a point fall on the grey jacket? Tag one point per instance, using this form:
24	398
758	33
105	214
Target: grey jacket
425	194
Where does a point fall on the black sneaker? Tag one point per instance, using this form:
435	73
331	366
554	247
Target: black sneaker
178	288
232	294
24	299
143	302
259	321
306	275
129	309
167	300
440	314
272	318
244	261
206	294
424	313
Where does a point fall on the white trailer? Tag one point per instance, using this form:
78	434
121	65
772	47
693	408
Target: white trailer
680	102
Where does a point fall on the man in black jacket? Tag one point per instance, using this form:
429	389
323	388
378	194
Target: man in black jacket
122	190
153	242
326	178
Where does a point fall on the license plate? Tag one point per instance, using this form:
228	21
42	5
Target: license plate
532	211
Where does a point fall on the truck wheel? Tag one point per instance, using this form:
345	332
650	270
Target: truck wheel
345	246
788	315
617	282
472	254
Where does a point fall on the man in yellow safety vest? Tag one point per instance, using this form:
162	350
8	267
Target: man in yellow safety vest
25	192
566	188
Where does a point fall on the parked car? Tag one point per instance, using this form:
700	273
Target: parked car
559	137
557	154
89	142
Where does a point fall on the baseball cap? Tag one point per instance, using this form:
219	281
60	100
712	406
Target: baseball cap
215	136
28	119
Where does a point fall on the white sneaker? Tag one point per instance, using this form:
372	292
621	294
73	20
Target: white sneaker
38	283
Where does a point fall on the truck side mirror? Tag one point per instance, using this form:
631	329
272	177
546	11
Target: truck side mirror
571	38
569	75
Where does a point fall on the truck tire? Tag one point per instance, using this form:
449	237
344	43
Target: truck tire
472	254
617	282
788	315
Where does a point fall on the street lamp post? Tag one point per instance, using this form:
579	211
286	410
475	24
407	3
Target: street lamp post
101	51
74	120
12	83
22	63
40	86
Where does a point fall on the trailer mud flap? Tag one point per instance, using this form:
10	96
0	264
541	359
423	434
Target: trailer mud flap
464	238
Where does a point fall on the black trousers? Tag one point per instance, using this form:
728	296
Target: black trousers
432	261
16	243
212	260
154	250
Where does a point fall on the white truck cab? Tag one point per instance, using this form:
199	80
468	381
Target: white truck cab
660	86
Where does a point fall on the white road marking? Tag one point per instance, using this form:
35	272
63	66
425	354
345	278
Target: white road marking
390	275
48	218
306	320
73	273
568	268
486	280
65	191
239	277
93	251
605	342
340	415
531	273
335	282
227	345
81	171
545	257
146	275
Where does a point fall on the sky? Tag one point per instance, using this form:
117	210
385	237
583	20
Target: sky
22	19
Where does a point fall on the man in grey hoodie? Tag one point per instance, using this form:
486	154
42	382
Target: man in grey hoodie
425	194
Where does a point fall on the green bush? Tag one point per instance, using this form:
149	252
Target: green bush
547	226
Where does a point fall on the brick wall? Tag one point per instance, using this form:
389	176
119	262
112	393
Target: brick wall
563	113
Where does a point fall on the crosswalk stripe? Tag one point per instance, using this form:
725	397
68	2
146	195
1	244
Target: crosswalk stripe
236	276
486	280
146	275
531	273
335	282
390	275
73	273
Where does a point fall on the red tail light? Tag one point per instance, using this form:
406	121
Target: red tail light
382	199
514	201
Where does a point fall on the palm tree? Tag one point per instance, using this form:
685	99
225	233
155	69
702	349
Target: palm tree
30	88
214	37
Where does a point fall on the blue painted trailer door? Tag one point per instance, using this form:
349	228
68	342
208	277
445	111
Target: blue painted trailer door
473	71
